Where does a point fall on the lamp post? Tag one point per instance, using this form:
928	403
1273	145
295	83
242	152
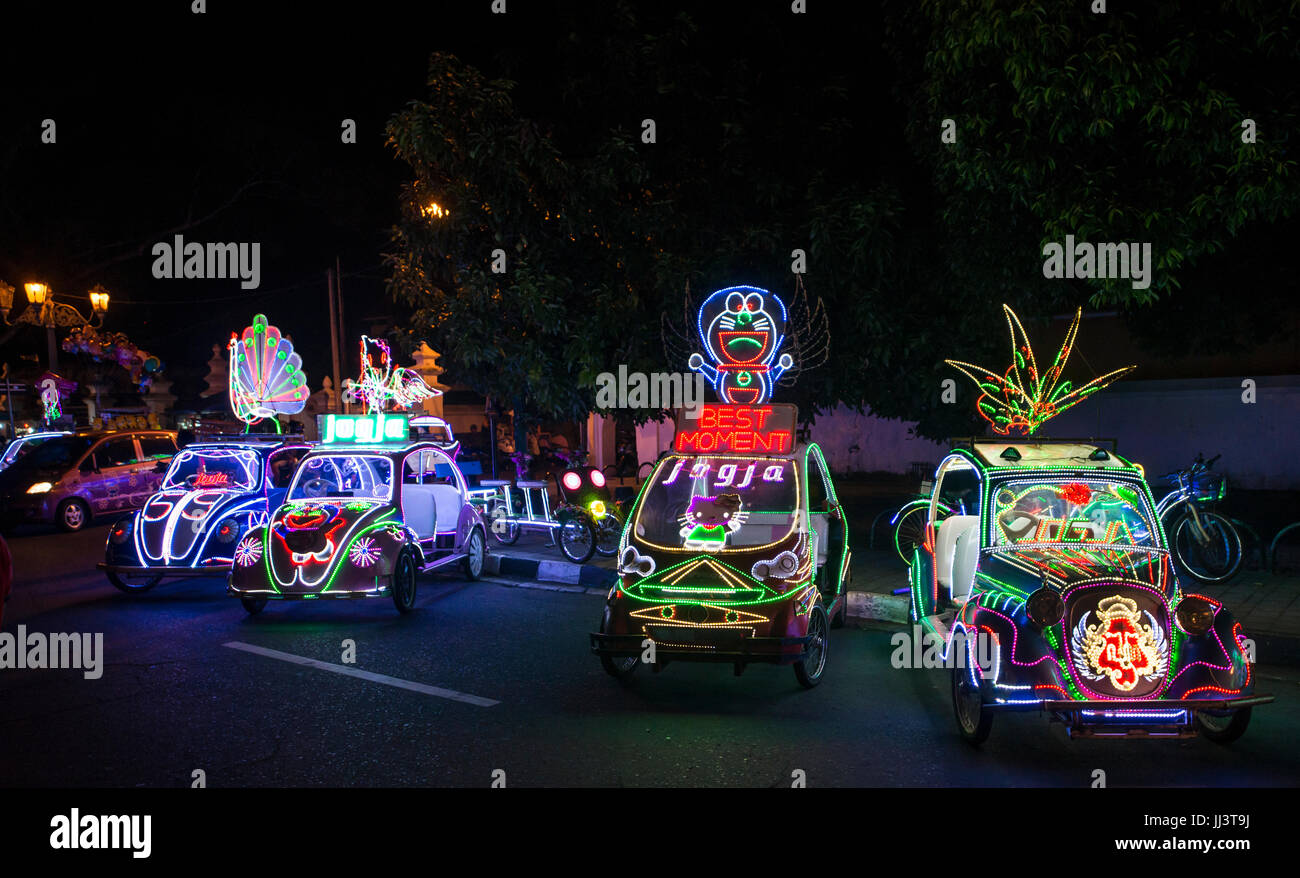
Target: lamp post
42	310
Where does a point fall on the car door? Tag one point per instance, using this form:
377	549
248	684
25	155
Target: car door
111	485
826	520
156	452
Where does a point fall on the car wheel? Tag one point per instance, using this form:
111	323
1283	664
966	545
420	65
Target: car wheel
973	721
1223	729
73	515
403	584
253	605
809	670
620	669
577	539
133	587
608	533
473	562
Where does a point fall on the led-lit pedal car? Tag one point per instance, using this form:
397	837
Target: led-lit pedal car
368	510
1054	591
735	551
214	494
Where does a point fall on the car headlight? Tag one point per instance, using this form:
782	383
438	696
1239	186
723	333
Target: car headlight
227	531
1195	615
40	488
1045	607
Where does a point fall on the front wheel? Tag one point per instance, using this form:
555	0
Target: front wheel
73	515
133	587
621	668
609	530
577	539
973	721
909	531
808	671
1223	729
253	605
504	527
1210	553
403	584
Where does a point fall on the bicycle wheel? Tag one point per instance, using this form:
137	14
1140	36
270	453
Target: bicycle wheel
1273	547
1211	555
909	532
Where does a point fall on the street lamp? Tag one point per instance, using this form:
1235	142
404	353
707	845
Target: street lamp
42	310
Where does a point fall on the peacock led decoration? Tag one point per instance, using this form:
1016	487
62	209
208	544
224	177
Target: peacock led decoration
266	377
384	383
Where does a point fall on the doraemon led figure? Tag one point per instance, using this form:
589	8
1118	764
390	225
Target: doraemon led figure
742	339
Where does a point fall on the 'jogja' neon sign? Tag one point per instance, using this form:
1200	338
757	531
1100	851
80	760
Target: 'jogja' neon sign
364	429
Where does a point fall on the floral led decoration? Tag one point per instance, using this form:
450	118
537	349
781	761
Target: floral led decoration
266	377
1021	399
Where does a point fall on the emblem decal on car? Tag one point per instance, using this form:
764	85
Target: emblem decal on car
1120	647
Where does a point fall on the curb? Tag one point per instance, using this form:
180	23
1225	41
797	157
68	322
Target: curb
586	575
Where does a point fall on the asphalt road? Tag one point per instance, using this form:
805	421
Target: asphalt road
175	698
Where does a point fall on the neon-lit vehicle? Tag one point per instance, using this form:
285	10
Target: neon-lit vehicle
367	511
213	494
1052	586
23	444
735	550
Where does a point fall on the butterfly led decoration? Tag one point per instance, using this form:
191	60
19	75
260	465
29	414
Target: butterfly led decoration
1022	398
386	383
266	377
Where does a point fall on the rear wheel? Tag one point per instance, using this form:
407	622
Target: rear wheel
909	532
136	586
504	526
1211	553
473	562
403	585
973	721
1223	729
809	670
577	539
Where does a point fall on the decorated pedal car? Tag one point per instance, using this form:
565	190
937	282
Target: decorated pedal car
735	550
214	494
1053	588
367	511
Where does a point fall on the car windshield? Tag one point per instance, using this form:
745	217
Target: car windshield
719	503
195	468
1071	512
60	453
322	476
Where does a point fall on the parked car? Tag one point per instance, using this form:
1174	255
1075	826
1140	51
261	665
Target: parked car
1051	585
366	512
213	493
68	480
24	444
734	557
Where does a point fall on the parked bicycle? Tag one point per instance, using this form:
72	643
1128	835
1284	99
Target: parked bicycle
526	503
1204	542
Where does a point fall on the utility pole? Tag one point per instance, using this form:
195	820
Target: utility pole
338	302
334	330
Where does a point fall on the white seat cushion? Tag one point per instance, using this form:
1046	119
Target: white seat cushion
946	544
964	561
447	503
820	524
419	509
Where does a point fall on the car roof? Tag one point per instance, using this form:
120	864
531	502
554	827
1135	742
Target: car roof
1028	454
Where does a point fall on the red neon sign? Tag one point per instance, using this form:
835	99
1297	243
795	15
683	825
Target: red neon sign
211	480
738	429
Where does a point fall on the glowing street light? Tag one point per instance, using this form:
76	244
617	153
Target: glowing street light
44	311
